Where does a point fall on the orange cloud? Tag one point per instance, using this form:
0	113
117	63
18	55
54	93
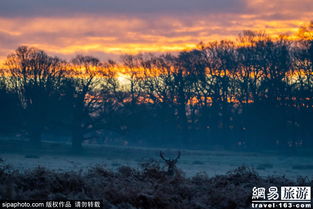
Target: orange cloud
108	35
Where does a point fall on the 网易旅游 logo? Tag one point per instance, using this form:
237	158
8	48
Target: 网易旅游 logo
281	197
295	193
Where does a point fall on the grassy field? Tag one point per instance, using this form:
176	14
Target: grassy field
57	156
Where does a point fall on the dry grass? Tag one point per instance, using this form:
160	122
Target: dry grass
146	188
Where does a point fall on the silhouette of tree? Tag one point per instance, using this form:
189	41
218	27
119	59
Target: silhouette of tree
83	97
36	78
10	109
254	93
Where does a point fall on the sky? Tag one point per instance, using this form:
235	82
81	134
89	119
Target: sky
108	28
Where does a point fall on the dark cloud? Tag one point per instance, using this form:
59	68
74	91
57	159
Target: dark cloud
33	8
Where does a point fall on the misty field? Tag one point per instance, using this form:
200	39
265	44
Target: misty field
57	156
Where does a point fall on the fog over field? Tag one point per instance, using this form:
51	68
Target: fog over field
190	163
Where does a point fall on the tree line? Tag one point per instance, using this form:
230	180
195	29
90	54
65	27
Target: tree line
253	93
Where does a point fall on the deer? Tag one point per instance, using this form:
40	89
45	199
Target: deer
171	163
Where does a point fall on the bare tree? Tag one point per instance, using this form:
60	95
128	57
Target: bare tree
83	96
36	77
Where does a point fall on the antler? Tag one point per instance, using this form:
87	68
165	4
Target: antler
162	156
178	156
